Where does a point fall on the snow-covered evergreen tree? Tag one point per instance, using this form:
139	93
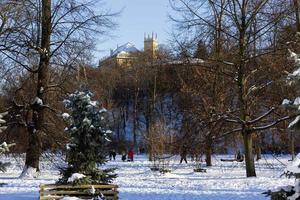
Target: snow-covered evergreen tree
2	122
4	147
293	170
89	132
294	80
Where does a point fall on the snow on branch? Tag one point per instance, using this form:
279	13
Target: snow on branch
262	116
294	122
267	126
4	147
2	121
37	101
227	133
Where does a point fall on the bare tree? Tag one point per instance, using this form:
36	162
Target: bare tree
244	23
48	35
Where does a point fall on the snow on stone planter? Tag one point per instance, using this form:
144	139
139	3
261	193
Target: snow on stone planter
70	198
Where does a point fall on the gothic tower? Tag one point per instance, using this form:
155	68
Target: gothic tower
151	45
81	75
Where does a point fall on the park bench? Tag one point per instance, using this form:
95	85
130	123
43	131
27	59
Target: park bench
48	192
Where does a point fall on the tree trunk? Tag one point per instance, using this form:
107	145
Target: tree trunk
134	133
208	153
249	159
258	148
296	10
150	152
292	145
258	152
149	147
135	117
33	150
35	129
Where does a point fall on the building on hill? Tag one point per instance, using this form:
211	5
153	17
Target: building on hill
126	54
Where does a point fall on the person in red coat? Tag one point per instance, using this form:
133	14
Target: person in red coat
130	155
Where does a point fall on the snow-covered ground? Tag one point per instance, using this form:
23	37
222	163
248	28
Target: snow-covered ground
225	180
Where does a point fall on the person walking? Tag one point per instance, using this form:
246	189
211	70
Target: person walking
110	154
123	156
239	157
114	154
183	155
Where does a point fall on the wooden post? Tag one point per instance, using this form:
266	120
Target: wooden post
42	191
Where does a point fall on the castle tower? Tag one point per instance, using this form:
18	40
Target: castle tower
151	45
81	74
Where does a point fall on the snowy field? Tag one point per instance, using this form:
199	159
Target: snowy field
225	180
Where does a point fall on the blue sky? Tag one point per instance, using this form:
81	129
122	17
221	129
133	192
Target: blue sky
137	17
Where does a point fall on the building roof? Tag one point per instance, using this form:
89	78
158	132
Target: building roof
125	48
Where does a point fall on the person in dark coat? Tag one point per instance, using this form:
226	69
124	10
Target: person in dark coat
183	155
110	155
123	156
239	157
114	154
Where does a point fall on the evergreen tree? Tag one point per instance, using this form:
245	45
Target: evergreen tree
4	147
89	135
293	170
201	51
294	80
2	122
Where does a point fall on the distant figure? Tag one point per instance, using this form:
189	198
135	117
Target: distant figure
142	150
123	156
130	155
110	155
239	157
192	157
114	154
183	155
